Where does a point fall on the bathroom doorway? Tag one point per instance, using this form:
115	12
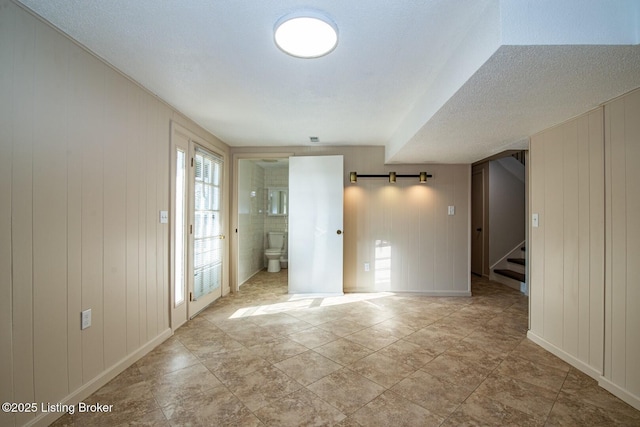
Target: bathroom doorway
261	205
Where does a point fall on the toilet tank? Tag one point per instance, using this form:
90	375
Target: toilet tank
276	240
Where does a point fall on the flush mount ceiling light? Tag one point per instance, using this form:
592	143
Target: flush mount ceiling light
308	34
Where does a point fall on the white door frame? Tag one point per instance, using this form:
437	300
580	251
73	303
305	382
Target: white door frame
183	137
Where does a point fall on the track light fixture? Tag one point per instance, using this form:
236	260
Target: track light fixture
423	177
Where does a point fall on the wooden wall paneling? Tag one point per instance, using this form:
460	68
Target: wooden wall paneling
584	233
410	217
618	218
366	244
375	230
7	26
632	296
151	216
22	206
115	193
554	238
164	156
567	249
596	286
134	160
382	234
373	221
441	261
427	231
74	146
450	249
50	217
633	246
396	234
608	239
461	232
414	194
363	244
90	123
571	247
143	166
158	145
385	208
353	223
536	244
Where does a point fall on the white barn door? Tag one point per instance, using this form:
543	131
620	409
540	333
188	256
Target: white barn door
315	225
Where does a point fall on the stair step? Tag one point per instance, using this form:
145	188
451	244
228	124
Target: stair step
512	274
520	261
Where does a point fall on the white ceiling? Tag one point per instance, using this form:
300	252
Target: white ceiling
447	81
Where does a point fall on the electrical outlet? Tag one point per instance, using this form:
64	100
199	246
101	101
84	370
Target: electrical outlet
366	266
86	319
451	210
164	217
534	220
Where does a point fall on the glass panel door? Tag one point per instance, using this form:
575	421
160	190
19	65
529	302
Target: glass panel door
207	229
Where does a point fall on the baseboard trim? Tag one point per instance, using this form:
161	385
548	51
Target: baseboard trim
619	392
603	382
87	389
417	293
435	293
571	360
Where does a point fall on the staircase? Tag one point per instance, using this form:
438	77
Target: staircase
516	273
512	273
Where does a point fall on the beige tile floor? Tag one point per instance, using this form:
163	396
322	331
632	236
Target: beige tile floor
262	357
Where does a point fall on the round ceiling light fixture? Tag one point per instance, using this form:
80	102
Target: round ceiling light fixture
307	34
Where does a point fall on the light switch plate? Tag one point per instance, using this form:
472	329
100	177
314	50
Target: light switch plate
534	220
164	217
452	210
86	319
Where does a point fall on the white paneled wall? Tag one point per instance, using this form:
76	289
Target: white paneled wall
622	279
404	235
429	250
84	172
584	288
567	252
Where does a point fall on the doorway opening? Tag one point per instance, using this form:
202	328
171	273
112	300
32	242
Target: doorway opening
262	208
499	220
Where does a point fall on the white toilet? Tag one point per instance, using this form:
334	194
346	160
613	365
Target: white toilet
274	252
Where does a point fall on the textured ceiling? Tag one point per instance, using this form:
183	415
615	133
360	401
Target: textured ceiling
432	80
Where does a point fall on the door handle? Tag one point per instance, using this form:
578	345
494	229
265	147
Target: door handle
478	229
339	231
